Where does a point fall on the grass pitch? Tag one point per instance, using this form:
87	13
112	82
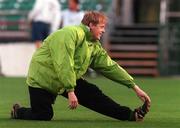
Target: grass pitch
164	113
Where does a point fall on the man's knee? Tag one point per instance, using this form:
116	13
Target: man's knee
46	116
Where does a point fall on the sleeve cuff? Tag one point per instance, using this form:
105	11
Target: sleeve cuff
131	85
70	90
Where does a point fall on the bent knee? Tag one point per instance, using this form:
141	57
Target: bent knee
46	117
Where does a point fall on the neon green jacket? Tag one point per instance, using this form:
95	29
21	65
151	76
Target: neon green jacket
65	57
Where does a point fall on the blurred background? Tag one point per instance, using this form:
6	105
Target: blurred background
143	36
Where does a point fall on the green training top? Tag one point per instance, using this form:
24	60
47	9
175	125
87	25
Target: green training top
65	57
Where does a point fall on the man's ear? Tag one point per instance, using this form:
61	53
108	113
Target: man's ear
91	25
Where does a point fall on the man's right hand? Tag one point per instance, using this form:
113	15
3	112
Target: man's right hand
73	101
143	96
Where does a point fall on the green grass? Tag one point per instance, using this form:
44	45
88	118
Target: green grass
164	113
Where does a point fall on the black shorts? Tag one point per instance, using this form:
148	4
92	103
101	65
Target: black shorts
40	31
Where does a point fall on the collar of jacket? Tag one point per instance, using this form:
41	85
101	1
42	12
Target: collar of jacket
88	33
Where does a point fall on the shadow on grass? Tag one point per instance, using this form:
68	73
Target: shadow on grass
85	121
90	123
62	120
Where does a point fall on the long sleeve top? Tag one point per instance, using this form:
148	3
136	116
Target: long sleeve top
65	57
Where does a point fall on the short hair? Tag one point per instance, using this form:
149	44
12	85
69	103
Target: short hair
76	1
94	17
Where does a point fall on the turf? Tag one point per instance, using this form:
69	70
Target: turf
164	113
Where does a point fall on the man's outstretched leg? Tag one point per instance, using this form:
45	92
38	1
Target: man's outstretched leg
41	106
92	97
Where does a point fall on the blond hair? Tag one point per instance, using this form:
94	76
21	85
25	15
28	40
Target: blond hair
94	17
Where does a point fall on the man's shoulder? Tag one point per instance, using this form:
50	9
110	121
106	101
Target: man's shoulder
65	12
74	30
78	29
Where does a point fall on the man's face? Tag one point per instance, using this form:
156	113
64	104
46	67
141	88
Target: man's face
97	30
72	5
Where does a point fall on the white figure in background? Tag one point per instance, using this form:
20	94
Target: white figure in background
44	18
73	15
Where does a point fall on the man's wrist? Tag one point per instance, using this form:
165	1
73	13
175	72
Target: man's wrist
70	90
135	87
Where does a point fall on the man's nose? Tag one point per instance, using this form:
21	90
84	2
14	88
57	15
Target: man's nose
103	30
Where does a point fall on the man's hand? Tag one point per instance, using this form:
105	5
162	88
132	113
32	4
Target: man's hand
73	101
143	96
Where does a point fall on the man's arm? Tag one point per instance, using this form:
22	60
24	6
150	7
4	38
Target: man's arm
103	63
110	69
36	8
62	48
